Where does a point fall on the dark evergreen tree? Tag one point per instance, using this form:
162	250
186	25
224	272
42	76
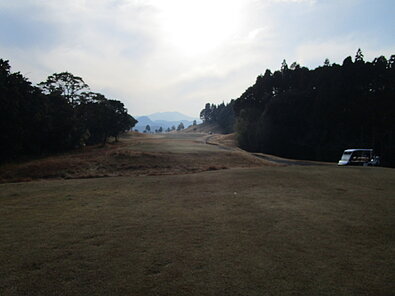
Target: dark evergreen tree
180	126
327	63
316	114
359	56
222	114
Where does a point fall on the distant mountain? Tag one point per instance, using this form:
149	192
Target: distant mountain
165	120
171	116
144	120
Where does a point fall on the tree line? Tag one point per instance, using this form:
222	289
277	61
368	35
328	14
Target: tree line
58	114
316	114
222	114
180	127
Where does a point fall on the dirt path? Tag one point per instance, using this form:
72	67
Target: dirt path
216	140
286	161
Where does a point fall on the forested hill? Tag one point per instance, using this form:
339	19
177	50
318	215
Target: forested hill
57	115
316	114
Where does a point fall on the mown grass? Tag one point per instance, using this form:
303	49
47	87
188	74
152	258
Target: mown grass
317	230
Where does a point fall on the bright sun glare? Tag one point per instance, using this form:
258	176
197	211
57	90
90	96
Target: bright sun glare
197	27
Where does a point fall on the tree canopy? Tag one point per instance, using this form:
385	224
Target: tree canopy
65	83
222	114
316	114
57	115
180	126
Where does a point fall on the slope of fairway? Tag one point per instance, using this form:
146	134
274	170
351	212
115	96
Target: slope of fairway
296	230
135	154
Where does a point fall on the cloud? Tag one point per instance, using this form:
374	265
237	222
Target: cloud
336	50
314	53
296	1
159	55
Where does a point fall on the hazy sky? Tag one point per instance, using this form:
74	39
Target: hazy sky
176	55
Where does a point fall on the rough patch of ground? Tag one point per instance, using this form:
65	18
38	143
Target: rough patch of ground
290	230
137	154
228	140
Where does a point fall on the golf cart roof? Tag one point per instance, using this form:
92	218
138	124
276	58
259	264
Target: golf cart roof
353	150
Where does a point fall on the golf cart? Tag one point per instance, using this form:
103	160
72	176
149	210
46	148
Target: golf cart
361	157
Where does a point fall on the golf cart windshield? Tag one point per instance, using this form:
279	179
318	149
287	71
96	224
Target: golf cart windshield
346	156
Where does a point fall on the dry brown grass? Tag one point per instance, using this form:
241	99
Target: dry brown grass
225	140
256	230
134	155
